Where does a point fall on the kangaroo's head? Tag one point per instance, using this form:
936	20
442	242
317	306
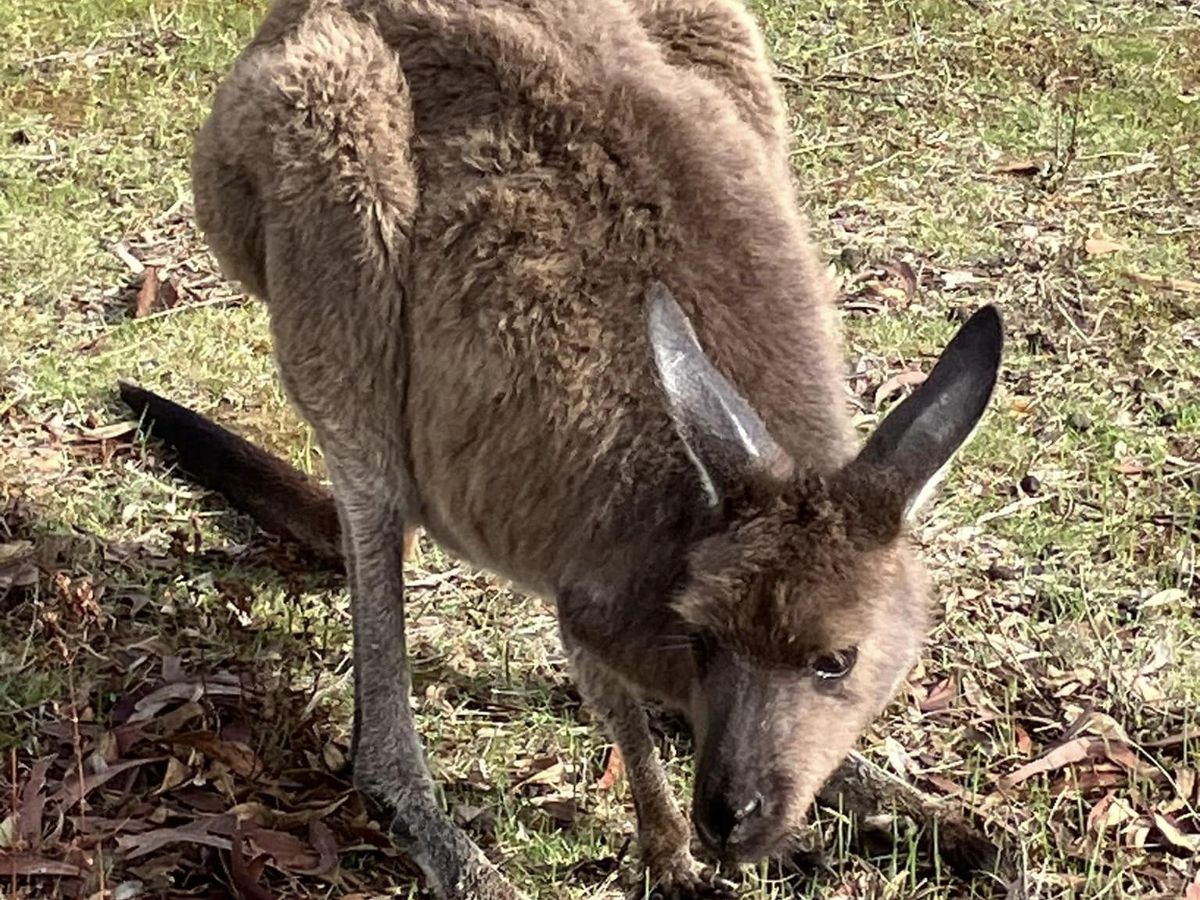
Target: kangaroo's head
807	607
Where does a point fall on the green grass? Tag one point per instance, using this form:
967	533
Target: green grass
902	113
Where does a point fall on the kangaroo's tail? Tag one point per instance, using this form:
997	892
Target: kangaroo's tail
278	496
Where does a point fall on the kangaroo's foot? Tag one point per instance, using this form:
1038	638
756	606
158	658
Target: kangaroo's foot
454	867
671	871
680	877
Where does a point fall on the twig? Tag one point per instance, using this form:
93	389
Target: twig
1006	511
122	252
185	307
92	50
1118	173
1056	174
1183	285
865	76
1066	314
864	789
859	51
825	145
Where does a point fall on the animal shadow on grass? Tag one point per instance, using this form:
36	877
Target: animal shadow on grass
170	733
188	737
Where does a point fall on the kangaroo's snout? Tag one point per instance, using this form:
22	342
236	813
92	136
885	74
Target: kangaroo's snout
731	819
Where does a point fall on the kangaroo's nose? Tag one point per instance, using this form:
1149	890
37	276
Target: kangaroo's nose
725	820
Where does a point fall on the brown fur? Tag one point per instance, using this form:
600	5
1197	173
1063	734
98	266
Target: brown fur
789	577
453	211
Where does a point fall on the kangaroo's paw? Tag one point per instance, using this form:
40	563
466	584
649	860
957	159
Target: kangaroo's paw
454	867
681	877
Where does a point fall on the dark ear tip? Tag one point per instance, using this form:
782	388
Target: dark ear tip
987	323
981	337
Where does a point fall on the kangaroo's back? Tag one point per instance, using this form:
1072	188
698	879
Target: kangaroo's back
473	198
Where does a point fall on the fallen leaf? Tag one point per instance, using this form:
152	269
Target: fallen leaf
614	769
287	851
272	818
1176	837
1089	780
130	733
246	874
1147	691
177	773
897	383
17	566
544	770
1024	742
8	831
103	432
1129	467
1024	167
940	696
1073	751
1110	812
333	757
1097	819
168	294
12	864
321	837
902	270
1105	726
1102	246
1185	781
563	810
238	756
73	790
897	756
211	831
161	697
33	801
1135	835
1169	597
147	294
944	784
959	278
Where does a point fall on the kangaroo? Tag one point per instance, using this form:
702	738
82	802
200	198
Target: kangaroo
537	279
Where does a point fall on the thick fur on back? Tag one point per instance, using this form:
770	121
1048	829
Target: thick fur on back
453	210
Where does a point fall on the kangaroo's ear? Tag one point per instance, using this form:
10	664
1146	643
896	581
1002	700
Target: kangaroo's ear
918	439
724	436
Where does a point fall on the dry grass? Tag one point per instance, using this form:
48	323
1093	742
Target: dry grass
948	151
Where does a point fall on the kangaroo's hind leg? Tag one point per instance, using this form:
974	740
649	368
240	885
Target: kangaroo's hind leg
305	183
389	763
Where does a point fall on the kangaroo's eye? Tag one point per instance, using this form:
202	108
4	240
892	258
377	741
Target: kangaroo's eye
836	665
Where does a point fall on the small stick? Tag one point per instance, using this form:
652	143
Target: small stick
865	790
187	307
